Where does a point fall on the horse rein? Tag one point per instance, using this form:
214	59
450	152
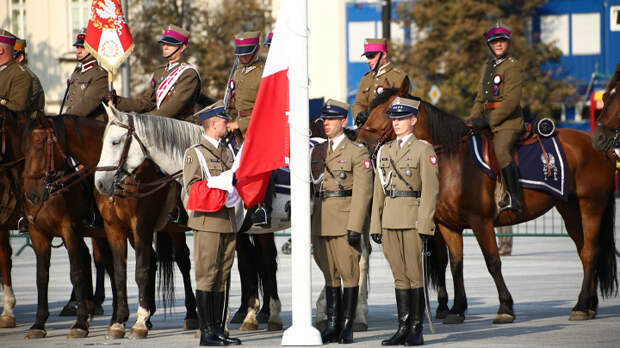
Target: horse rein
387	134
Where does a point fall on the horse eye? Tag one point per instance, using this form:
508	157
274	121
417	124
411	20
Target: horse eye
116	142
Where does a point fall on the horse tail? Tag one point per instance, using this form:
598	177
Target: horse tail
437	264
606	268
165	259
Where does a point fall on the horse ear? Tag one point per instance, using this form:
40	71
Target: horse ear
111	111
405	87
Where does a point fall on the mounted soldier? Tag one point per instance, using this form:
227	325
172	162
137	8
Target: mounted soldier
404	201
87	85
174	87
36	101
16	86
343	202
497	106
383	74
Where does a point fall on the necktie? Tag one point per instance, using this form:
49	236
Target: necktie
331	147
400	143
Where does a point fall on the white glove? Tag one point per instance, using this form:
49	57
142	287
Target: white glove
232	198
222	181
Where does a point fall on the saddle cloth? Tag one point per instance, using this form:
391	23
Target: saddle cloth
535	171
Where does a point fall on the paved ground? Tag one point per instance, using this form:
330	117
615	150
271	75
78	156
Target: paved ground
544	276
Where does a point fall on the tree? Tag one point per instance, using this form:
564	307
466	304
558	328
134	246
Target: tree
213	26
449	51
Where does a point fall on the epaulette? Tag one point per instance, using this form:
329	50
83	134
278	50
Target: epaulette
21	67
368	72
425	142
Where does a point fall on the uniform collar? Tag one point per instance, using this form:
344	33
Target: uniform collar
171	66
88	65
404	139
7	64
385	68
336	141
212	141
247	68
499	61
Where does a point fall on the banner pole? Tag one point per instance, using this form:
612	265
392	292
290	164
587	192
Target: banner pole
110	86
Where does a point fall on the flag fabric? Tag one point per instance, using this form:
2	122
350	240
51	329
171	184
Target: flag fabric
107	35
266	146
205	199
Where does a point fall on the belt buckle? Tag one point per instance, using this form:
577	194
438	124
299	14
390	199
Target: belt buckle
392	193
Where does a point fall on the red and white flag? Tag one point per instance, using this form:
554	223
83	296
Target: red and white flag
107	35
267	144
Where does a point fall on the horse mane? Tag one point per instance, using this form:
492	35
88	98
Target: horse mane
384	97
446	130
167	134
614	79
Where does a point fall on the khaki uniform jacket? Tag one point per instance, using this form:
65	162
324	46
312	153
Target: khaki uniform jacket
386	77
36	101
350	164
87	86
180	101
416	162
244	83
223	220
15	85
508	115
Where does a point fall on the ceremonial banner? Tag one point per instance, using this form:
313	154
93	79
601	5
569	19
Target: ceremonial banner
267	141
107	35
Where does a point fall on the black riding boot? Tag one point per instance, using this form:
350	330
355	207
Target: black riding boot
416	308
514	201
349	303
333	298
402	306
219	303
204	302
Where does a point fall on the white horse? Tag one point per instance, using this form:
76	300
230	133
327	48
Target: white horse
164	141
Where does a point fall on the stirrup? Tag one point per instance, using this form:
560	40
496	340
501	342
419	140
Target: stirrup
506	202
22	225
261	218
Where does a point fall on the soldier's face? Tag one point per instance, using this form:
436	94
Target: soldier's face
403	126
81	52
218	127
333	126
499	47
172	52
246	58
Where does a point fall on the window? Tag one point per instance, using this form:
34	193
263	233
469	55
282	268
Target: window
18	18
554	29
614	19
586	33
80	13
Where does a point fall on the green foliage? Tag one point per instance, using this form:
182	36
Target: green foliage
450	50
213	26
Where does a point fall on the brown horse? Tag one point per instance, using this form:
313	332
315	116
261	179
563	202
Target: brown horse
606	134
131	218
466	200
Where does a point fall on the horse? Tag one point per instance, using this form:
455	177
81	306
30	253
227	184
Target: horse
120	216
606	134
466	200
131	139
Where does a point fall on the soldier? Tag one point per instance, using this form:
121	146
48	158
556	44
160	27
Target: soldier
214	240
87	85
404	200
343	203
497	105
175	87
16	85
36	101
382	74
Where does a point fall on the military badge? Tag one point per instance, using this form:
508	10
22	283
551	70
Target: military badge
188	159
343	175
153	83
379	89
231	85
408	172
367	164
433	159
83	86
497	79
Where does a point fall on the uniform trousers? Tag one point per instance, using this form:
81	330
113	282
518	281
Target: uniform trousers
214	254
503	142
337	259
403	251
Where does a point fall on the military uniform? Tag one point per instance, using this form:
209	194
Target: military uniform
404	200
36	101
374	81
174	88
87	86
15	87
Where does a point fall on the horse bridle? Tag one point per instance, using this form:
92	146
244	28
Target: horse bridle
387	134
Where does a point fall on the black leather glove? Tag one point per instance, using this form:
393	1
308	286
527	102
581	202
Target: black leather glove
354	238
361	118
479	123
110	96
425	238
377	238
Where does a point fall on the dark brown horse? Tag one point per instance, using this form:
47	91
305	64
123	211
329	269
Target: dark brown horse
606	134
466	200
79	138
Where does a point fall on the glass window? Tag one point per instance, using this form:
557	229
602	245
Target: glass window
554	29
586	33
79	15
18	18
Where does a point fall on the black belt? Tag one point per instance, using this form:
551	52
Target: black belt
397	193
329	194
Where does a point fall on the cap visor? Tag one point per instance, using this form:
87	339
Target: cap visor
170	40
400	114
78	43
367	53
243	50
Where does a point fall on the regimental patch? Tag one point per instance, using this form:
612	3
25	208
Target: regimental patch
341	161
497	79
379	89
433	159
367	164
188	159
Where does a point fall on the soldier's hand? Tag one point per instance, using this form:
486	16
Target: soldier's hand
479	123
110	96
361	118
377	238
354	238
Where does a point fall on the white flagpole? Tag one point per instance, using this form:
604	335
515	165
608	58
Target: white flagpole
301	333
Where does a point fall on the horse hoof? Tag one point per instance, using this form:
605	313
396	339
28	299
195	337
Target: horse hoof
191	324
7	322
138	333
115	331
578	315
262	317
249	326
454	319
360	327
69	310
321	325
78	333
504	318
441	313
274	326
149	324
36	333
238	317
591	314
197	334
